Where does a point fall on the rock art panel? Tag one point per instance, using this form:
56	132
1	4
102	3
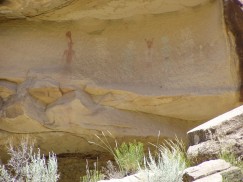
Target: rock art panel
76	68
113	53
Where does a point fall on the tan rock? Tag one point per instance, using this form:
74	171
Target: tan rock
46	91
66	90
7	89
76	115
213	170
69	109
73	9
12	79
23	116
139	177
185	107
76	112
183	75
46	95
22	8
205	169
13	110
214	177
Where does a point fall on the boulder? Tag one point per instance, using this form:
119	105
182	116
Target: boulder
223	133
213	170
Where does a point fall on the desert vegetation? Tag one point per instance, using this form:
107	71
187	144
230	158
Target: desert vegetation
163	163
168	164
27	164
231	158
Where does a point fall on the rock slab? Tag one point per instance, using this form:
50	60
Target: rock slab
213	170
223	133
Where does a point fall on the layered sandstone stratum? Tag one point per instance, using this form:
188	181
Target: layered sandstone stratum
70	69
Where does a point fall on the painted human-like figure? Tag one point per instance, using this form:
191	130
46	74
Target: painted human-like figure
149	43
149	51
69	53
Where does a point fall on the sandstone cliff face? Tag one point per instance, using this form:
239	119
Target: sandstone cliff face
71	69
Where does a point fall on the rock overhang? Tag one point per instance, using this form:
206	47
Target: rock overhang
107	9
158	60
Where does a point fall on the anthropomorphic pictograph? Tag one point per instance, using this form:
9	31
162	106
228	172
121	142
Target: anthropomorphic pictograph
69	53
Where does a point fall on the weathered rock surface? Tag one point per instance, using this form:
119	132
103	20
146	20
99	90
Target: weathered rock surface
48	110
23	9
7	89
75	9
223	133
139	177
214	170
70	69
46	91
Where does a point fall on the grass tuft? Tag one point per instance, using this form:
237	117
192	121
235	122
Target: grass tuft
92	175
231	158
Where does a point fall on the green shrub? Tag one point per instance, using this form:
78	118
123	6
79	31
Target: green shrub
129	156
167	165
26	165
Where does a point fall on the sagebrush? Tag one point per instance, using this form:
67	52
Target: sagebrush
168	165
27	165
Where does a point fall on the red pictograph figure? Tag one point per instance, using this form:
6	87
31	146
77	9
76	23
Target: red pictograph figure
69	36
149	51
149	43
69	53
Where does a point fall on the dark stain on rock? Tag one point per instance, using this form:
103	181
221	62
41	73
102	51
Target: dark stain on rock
233	13
4	2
